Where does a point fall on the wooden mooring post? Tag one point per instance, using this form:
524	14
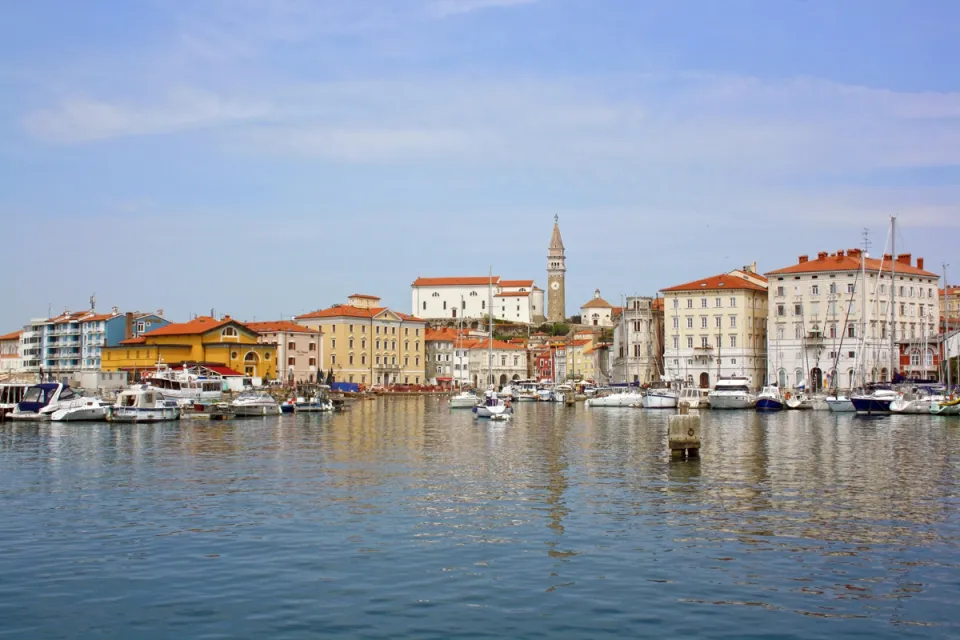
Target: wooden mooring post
683	436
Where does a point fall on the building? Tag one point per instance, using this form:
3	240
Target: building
821	330
447	362
299	349
509	362
716	327
597	312
366	343
951	303
10	361
467	297
581	365
203	341
636	343
556	276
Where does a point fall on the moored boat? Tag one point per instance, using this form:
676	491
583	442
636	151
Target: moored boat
839	403
618	397
80	410
660	396
732	393
694	398
40	396
255	404
876	402
464	400
493	405
143	403
770	399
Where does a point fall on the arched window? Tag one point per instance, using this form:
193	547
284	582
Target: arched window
928	359
915	358
798	375
436	294
851	378
473	294
229	332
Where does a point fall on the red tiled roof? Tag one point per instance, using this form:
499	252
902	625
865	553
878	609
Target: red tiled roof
850	261
350	311
100	316
441	335
465	281
658	304
140	340
512	294
279	326
12	336
723	282
516	283
199	325
580	343
597	303
483	343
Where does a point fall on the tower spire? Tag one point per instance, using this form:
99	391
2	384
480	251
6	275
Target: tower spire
556	273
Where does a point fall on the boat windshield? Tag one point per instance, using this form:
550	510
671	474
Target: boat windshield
737	388
33	394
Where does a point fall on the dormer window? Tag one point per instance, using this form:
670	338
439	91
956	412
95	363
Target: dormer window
229	332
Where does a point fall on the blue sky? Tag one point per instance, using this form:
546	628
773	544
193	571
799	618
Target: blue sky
266	157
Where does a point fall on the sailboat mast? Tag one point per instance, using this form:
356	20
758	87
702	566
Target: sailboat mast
893	295
946	328
490	338
863	309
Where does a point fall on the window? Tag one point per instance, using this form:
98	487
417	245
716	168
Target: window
851	331
291	346
363	328
350	344
313	362
333	328
229	332
350	359
416	346
333	343
689	303
291	362
676	303
833	288
703	303
718	302
703	341
798	331
703	322
780	291
676	322
378	345
814	289
733	322
718	321
689	342
363	343
377	360
378	328
689	322
333	358
313	345
676	342
733	343
416	361
350	328
798	309
781	310
363	358
733	303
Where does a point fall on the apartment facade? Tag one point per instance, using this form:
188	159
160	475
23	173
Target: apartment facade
833	320
636	343
368	344
446	361
452	298
509	362
716	327
299	349
10	361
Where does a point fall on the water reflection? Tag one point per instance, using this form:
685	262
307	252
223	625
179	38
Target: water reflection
404	503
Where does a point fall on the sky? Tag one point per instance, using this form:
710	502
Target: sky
263	158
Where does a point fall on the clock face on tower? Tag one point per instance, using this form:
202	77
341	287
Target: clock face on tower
554	285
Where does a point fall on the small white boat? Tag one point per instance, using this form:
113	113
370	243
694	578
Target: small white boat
660	396
949	406
464	400
839	403
798	401
526	392
80	410
732	393
619	397
492	406
40	396
507	392
918	400
694	397
255	404
143	403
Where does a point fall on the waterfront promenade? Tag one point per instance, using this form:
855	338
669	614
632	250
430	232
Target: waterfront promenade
402	519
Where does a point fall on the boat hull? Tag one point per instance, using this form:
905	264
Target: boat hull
871	406
769	404
724	401
255	411
85	414
463	402
27	416
137	414
484	411
657	401
616	400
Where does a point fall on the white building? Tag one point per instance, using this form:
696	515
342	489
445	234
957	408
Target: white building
467	297
10	361
509	362
716	327
636	344
822	332
597	312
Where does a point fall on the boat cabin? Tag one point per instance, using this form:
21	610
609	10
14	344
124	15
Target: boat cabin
12	393
40	395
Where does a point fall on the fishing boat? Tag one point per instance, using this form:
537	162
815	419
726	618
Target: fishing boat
660	395
770	399
255	404
40	396
694	397
143	403
732	393
78	410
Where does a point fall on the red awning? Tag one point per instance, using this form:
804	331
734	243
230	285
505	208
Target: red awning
225	372
439	379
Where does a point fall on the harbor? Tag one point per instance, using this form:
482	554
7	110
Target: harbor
403	518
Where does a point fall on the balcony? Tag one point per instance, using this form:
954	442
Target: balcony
704	349
814	336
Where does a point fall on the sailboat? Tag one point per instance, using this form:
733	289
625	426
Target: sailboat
493	406
465	399
837	402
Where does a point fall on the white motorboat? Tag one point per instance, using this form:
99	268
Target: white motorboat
464	400
493	405
619	397
526	392
255	404
185	387
732	393
660	396
79	410
40	396
770	399
507	391
143	403
839	403
694	397
562	393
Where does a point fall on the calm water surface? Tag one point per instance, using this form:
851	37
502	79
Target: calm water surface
402	519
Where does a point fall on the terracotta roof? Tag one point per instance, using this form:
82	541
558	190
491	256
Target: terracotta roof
350	311
512	294
580	343
441	335
100	316
465	281
597	303
12	336
516	283
723	282
199	325
482	343
658	304
279	326
140	340
364	296
849	260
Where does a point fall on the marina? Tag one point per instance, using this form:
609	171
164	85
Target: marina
401	517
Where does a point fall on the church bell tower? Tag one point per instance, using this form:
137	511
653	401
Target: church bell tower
556	270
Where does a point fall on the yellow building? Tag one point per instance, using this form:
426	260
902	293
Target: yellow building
368	344
202	341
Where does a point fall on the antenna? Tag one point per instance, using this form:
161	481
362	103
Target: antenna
866	242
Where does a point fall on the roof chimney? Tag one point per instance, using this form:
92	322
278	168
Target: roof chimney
920	263
905	258
887	257
822	255
804	259
128	326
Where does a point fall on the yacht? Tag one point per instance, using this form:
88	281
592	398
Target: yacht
918	400
143	403
949	406
660	396
732	393
839	403
770	399
618	397
78	410
562	393
255	404
493	406
464	400
526	391
694	397
186	387
877	401
507	391
40	396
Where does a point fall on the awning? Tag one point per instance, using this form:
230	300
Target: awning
223	372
